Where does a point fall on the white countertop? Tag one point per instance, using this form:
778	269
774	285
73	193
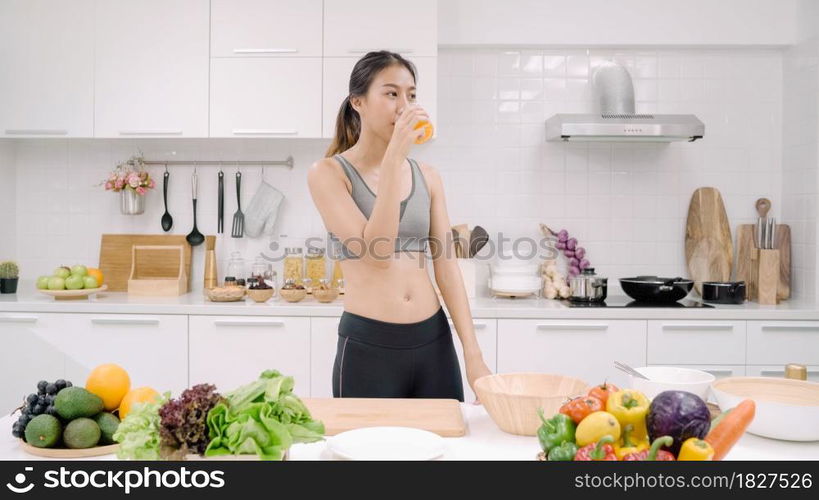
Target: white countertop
483	441
29	300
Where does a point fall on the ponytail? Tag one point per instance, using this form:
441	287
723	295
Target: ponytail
348	129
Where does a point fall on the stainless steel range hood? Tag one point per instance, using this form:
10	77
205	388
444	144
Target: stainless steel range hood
617	121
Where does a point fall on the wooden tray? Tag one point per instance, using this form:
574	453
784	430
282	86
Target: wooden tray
441	416
115	256
68	452
74	294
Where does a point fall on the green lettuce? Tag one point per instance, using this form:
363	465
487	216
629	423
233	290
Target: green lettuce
138	433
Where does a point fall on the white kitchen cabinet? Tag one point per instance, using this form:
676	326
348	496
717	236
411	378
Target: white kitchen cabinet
324	337
47	75
265	28
152	348
355	27
151	68
782	342
696	342
273	97
230	351
337	81
779	371
585	349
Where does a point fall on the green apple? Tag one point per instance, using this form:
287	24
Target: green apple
73	282
56	283
62	272
79	270
42	283
89	282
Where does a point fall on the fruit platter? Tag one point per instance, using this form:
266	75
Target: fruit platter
72	283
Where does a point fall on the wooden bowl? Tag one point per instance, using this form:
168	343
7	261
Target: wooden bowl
226	293
786	409
81	294
293	294
262	295
94	451
326	295
512	399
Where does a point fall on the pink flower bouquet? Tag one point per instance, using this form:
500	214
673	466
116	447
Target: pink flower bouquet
130	175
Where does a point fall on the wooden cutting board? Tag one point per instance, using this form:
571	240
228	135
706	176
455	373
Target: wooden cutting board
709	250
441	416
115	255
746	236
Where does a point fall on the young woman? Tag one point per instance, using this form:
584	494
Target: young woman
383	211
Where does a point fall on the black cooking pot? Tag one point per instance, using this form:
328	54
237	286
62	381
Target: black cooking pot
723	292
656	289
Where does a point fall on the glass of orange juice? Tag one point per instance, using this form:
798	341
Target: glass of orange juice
428	130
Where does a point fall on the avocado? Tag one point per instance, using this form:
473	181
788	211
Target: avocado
76	402
43	431
81	433
108	423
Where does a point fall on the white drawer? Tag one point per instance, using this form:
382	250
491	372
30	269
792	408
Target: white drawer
696	342
783	342
779	371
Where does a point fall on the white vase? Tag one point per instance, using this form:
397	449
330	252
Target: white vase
131	203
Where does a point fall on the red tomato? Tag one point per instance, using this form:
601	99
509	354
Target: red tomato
603	391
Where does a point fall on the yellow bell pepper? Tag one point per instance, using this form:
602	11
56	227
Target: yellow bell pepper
630	407
696	449
629	444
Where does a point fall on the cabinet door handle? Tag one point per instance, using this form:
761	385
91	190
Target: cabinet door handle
18	319
124	321
265	51
364	51
475	324
262	131
801	328
572	326
247	322
150	132
26	131
684	327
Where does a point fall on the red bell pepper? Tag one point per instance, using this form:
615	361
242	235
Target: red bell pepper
599	451
653	453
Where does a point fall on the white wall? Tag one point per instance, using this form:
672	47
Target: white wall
8	199
626	203
618	23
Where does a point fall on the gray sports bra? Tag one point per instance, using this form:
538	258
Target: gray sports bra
413	223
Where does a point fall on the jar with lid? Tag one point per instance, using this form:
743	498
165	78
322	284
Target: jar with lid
294	265
235	267
338	276
316	267
259	268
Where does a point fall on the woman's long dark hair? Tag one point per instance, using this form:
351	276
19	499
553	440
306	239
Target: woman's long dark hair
348	123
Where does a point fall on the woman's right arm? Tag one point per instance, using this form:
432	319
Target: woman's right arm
373	239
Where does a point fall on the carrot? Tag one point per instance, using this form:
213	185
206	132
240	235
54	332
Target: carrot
727	431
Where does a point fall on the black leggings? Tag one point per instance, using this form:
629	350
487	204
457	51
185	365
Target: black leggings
378	359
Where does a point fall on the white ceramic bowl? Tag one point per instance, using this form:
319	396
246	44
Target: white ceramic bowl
672	378
514	283
785	409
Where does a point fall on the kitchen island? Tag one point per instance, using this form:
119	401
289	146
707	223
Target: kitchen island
483	441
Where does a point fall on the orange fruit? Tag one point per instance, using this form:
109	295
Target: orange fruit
111	383
428	130
96	273
138	395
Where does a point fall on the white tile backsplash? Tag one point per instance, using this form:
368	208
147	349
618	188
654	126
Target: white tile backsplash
626	203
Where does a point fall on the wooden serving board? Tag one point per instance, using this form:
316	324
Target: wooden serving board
746	236
709	250
441	416
68	452
116	253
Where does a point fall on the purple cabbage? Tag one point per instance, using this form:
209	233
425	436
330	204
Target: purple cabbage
679	414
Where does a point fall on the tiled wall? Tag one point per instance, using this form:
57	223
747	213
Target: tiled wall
800	159
626	203
8	224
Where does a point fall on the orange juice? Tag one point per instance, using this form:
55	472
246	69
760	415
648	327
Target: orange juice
427	131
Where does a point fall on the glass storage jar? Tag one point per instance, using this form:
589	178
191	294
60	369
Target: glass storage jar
294	265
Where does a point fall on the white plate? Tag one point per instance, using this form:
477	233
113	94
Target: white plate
387	443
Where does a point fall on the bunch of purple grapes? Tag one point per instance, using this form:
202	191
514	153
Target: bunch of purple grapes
575	254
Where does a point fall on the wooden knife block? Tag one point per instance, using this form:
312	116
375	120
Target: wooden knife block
766	272
765	275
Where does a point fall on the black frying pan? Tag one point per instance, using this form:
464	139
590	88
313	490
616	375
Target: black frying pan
656	289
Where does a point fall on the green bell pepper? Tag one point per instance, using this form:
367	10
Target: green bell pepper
563	453
555	431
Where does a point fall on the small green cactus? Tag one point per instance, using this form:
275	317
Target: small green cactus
9	270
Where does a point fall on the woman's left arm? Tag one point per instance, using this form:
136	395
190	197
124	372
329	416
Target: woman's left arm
449	279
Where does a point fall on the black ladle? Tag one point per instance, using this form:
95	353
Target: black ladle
167	220
195	237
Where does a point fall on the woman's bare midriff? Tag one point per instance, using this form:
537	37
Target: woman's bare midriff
400	293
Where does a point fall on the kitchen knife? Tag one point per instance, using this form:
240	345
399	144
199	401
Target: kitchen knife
773	233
